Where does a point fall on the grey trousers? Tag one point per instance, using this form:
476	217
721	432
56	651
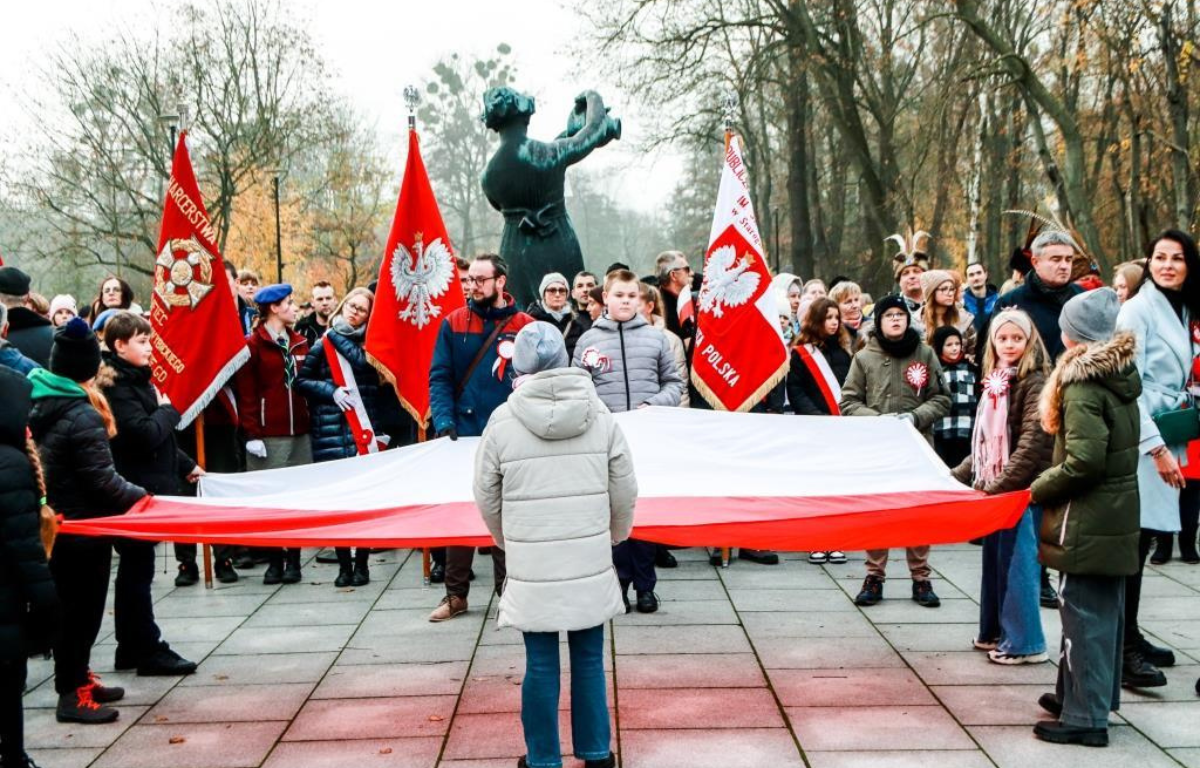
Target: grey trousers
1089	670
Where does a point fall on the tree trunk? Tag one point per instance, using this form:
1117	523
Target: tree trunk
799	214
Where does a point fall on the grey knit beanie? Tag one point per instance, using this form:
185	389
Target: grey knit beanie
1090	316
549	280
539	347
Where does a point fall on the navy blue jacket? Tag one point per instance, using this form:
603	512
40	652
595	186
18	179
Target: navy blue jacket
328	428
1044	305
462	333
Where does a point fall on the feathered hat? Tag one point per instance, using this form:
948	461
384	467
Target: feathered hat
912	251
1081	265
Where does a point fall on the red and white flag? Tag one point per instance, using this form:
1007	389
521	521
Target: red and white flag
418	286
357	418
197	336
740	354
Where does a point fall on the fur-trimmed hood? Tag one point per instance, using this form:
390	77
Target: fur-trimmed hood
1110	364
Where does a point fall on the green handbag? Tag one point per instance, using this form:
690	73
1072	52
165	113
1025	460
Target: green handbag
1178	427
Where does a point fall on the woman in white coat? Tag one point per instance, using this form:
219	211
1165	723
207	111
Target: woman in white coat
1161	318
554	482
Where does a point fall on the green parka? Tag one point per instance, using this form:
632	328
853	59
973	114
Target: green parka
1092	518
880	384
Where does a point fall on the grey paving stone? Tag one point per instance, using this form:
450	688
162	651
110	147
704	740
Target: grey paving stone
103	657
1015	746
372	718
898	608
250	640
869	728
848	687
826	653
411	597
307	615
1187	757
138	690
1166	608
42	731
800	600
699	708
694	639
813	624
930	637
231	703
261	669
722	748
494	635
1154	585
201	605
369	681
993	704
372	753
416	624
489	694
387	650
213	628
192	745
1182	634
494	736
1167	724
895	759
691	589
325	592
672	612
658	672
973	668
64	758
790	577
1181	686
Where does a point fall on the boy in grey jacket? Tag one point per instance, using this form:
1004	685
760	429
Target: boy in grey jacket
632	366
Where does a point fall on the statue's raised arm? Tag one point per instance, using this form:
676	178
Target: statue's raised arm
524	180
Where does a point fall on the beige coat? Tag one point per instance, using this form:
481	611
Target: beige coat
554	482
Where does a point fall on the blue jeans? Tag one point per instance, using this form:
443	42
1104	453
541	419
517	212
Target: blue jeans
1009	610
590	729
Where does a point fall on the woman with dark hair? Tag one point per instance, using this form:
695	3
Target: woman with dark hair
820	362
114	293
1164	318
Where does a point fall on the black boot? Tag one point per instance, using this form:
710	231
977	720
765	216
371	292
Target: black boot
647	602
274	572
291	567
225	572
625	595
1164	543
1136	672
345	569
362	574
1156	655
663	558
1061	733
188	574
604	762
1049	597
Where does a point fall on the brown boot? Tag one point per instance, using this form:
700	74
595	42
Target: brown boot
451	606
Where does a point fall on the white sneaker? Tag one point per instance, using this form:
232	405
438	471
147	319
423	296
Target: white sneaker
837	557
983	645
1000	657
818	558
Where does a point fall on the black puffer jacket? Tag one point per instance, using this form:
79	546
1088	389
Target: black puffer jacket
803	393
571	326
81	480
145	450
328	428
25	580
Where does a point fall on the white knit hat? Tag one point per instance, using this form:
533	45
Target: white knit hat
63	301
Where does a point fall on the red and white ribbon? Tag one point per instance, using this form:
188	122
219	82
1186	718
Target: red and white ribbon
356	417
819	368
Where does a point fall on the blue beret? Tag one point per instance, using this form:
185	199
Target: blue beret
104	317
271	294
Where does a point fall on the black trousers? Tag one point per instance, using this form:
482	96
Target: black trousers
458	569
12	714
81	567
1133	589
222	453
634	561
133	605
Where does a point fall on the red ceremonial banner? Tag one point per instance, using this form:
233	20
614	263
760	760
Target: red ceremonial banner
418	286
197	336
739	354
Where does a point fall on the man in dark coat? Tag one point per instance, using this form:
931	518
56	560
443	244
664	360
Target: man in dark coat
28	600
28	331
1047	288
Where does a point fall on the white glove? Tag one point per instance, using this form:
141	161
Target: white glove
344	399
256	448
906	417
385	439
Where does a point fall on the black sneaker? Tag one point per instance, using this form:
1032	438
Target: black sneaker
188	575
871	592
291	573
224	572
923	594
1048	598
760	556
1050	703
1164	546
165	663
625	596
1061	733
604	762
647	602
273	574
344	577
80	707
664	559
437	574
361	576
1136	672
1159	657
104	694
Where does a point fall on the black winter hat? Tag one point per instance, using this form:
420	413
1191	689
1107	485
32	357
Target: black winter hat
13	281
944	334
891	301
76	351
1019	261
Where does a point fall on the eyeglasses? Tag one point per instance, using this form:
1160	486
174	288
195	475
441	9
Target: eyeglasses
684	268
556	290
359	308
470	280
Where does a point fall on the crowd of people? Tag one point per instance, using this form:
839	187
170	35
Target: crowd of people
1080	393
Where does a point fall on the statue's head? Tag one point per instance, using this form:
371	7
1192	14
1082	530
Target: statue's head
504	106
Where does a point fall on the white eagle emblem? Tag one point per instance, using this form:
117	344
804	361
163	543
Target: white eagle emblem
917	376
728	281
420	280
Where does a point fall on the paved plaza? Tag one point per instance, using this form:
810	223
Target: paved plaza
750	666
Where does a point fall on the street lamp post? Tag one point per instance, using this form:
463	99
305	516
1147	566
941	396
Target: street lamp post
276	173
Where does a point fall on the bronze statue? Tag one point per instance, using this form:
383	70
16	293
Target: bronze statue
524	181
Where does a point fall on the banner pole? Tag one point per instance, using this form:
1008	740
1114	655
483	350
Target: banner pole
426	559
730	108
201	461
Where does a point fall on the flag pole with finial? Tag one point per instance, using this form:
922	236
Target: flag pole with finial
729	105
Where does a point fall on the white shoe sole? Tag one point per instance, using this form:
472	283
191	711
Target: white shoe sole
1012	661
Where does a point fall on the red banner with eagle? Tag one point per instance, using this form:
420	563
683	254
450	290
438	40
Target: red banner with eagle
739	354
197	336
418	286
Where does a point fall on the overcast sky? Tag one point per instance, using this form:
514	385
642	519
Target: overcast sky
375	49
